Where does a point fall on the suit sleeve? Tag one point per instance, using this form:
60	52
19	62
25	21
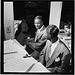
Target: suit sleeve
42	55
39	45
65	60
30	40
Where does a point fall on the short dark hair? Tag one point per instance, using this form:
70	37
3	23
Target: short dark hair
39	17
53	30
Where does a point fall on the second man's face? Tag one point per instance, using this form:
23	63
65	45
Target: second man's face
38	23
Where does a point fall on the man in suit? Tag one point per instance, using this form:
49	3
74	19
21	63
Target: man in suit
55	55
36	44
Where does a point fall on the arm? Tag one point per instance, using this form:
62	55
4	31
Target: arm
38	45
42	55
30	39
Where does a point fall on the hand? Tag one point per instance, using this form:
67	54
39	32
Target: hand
49	70
25	40
28	37
52	70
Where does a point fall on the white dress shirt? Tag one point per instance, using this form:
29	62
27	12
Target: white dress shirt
40	29
53	46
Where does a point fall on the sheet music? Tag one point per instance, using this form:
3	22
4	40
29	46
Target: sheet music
14	62
9	47
38	67
18	65
15	41
14	51
12	46
7	57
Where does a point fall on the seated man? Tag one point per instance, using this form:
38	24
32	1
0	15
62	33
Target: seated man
22	32
55	55
36	44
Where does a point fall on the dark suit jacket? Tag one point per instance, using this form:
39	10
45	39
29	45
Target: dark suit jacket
21	37
59	61
22	33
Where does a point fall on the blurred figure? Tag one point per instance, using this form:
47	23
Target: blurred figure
55	55
67	30
22	32
24	27
36	44
30	23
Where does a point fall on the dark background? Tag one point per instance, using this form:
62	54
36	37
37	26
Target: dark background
28	10
67	14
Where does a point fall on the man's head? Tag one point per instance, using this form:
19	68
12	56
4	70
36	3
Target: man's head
24	26
38	22
52	31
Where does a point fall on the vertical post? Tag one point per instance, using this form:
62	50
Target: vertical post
55	13
8	20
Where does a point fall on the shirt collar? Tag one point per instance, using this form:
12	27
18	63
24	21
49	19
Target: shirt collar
41	28
55	42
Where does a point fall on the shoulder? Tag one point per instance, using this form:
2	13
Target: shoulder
48	43
46	46
44	32
64	48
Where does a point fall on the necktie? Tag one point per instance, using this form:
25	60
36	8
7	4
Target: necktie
36	36
48	52
37	33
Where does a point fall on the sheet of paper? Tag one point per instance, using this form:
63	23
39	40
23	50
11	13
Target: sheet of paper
9	46
38	67
12	46
15	41
7	57
14	51
18	64
14	62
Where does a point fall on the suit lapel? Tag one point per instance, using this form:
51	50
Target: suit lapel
54	55
36	36
43	28
39	34
48	50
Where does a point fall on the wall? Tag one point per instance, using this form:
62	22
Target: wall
55	13
8	20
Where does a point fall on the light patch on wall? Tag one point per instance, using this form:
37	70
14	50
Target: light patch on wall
8	20
55	13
